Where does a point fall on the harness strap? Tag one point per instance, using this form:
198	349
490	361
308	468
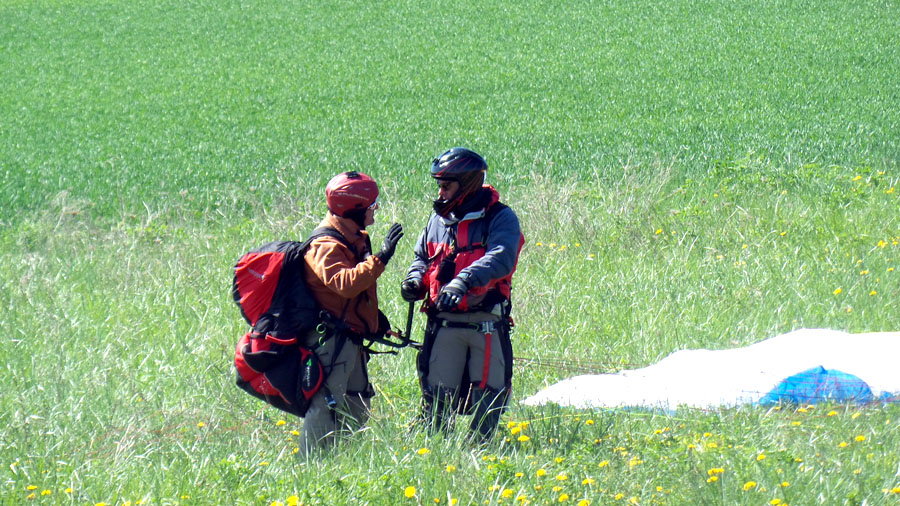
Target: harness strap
487	361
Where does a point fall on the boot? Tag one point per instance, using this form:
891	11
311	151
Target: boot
437	413
489	405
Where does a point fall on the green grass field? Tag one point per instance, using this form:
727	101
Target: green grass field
687	175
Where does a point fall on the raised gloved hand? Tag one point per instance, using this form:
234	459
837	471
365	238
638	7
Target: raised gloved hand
390	243
451	295
412	289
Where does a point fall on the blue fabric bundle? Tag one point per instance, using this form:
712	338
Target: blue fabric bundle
819	385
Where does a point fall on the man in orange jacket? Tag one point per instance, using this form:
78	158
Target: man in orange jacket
342	278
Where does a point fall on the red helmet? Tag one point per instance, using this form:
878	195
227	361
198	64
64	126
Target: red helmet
350	191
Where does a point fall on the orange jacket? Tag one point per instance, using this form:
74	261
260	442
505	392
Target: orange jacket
343	284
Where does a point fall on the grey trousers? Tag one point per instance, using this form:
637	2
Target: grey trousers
448	356
348	384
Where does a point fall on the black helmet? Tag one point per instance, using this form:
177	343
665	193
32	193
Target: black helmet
463	166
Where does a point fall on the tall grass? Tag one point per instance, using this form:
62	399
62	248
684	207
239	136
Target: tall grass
686	176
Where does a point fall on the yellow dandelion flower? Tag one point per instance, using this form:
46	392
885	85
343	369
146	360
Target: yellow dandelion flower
603	463
450	468
775	502
200	425
523	438
857	471
552	244
295	432
857	178
541	472
423	451
556	489
837	291
562	247
515	430
577	244
619	496
784	233
68	490
519	474
30	496
276	503
895	490
279	423
832	413
506	493
761	457
864	272
860	438
785	484
750	485
795	424
842	444
873	293
45	492
712	445
587	481
589	422
889	190
409	492
562	477
293	501
716	470
854	416
494	487
658	231
584	502
453	501
522	498
712	479
881	243
264	463
559	460
296	450
564	498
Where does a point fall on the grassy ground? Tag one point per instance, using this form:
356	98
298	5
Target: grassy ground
686	176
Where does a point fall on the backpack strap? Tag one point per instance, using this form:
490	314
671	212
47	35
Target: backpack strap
328	232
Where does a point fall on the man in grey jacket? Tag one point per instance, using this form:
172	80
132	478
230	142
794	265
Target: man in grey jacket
463	267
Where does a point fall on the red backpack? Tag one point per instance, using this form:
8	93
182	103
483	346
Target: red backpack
271	292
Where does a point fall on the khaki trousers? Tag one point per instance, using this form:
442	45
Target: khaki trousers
348	383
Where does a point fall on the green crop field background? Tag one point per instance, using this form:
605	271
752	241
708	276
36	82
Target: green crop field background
687	175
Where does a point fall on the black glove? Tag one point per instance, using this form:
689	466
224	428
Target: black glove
451	295
412	289
390	243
